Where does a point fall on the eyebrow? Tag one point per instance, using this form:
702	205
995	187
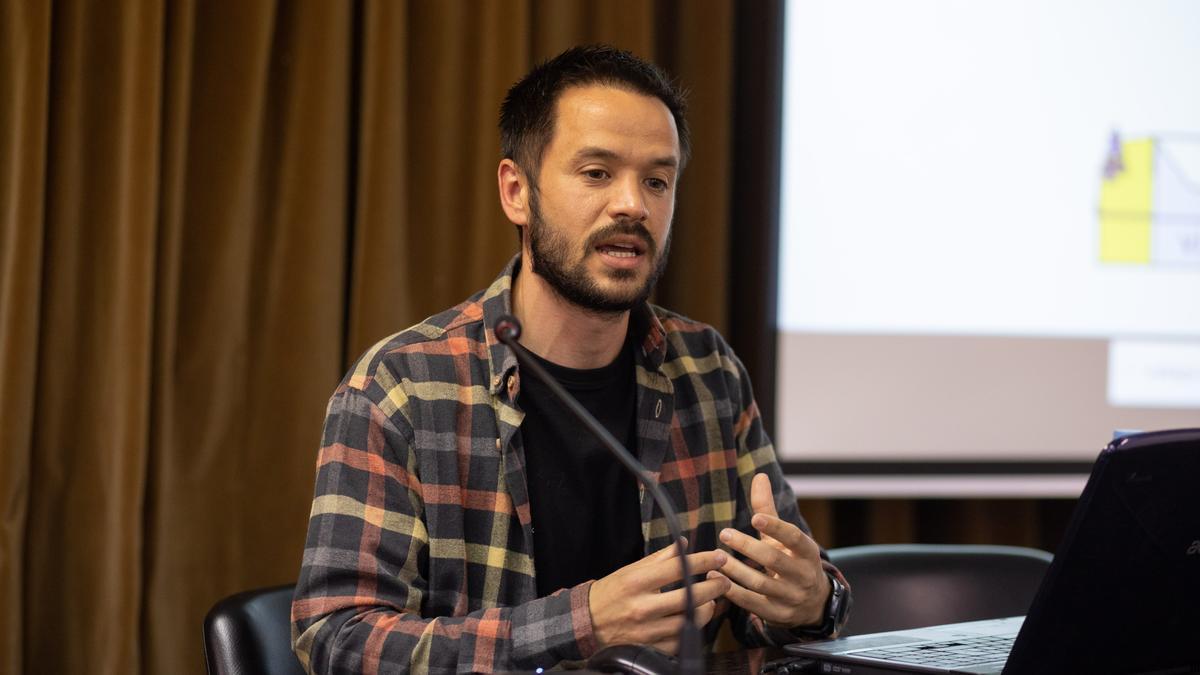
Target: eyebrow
593	152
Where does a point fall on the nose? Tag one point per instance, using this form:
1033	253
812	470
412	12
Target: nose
627	200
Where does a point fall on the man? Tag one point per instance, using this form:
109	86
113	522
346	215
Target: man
462	522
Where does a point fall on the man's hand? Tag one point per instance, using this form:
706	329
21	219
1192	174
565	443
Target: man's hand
628	606
792	589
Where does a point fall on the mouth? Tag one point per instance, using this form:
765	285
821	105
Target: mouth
621	247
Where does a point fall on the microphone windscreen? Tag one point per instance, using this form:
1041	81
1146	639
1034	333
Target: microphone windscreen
507	328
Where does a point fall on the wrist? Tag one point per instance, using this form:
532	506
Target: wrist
836	610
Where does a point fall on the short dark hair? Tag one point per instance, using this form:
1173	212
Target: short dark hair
527	114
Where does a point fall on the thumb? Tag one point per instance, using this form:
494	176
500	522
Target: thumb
762	500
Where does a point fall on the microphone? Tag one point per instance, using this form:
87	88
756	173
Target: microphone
691	657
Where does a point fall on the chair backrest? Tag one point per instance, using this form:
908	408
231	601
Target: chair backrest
899	586
251	632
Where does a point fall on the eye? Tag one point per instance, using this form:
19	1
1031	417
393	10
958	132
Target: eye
596	174
657	184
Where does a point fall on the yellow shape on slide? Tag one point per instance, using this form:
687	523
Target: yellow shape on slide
1125	204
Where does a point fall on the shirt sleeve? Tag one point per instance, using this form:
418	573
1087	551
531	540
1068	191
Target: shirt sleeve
358	601
756	455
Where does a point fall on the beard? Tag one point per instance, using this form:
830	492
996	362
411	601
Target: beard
551	255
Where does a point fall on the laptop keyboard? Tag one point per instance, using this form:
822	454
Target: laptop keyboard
950	653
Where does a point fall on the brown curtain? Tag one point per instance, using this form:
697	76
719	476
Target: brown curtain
208	208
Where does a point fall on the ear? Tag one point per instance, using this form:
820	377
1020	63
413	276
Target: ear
514	192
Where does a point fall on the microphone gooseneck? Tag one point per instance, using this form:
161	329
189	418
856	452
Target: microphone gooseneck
691	658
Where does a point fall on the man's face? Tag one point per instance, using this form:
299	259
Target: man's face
600	213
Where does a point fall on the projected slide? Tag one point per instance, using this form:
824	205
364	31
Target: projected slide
990	243
1149	208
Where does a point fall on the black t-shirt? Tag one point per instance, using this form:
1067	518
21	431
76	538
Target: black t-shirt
584	503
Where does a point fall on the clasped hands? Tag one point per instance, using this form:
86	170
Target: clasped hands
628	605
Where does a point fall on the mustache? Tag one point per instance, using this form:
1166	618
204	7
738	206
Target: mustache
622	227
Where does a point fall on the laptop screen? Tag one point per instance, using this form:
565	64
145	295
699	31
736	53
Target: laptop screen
1123	593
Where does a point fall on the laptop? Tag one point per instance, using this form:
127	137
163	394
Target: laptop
1121	596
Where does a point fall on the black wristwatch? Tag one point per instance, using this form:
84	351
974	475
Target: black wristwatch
837	609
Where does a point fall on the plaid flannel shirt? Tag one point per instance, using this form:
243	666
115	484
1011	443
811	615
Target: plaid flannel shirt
420	549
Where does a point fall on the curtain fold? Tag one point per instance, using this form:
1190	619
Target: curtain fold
255	316
702	59
24	77
86	479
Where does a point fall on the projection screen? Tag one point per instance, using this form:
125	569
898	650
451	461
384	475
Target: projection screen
990	232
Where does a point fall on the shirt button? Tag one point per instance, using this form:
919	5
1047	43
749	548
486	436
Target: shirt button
658	409
512	382
496	381
497	443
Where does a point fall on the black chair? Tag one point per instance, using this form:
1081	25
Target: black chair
898	586
251	633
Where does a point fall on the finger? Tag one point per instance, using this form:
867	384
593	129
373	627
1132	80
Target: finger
673	602
669	646
661	634
761	552
755	581
756	604
787	534
704	613
668	571
762	499
667	552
